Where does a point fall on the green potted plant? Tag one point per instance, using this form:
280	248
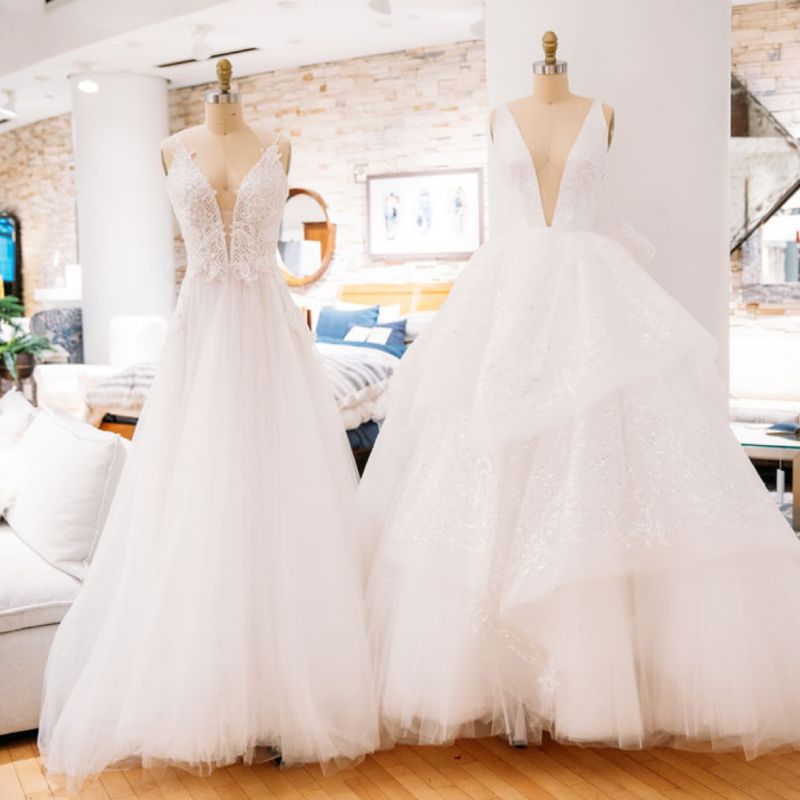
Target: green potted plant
18	349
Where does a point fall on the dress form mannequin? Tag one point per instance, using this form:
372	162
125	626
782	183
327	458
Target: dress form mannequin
225	147
550	119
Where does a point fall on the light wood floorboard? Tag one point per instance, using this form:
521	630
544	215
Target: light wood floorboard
481	769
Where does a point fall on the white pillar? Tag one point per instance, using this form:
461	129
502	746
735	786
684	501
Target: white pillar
125	236
665	67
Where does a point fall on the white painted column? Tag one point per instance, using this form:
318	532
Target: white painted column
665	67
125	236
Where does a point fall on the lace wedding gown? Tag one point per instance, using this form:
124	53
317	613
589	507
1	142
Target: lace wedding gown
222	616
564	535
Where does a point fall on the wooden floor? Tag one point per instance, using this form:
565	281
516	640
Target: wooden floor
470	770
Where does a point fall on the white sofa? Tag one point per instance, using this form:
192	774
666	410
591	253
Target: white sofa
34	596
57	479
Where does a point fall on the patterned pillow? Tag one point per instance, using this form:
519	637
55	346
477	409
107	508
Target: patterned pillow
388	336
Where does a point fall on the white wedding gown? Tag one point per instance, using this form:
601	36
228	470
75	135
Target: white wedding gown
564	535
222	617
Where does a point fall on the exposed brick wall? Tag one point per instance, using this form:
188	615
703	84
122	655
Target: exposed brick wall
765	41
410	110
37	183
765	56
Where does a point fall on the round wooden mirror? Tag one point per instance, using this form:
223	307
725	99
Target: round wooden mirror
307	237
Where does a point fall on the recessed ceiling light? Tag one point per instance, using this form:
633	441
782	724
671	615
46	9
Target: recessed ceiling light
380	6
41	78
287	4
134	44
294	41
8	105
88	86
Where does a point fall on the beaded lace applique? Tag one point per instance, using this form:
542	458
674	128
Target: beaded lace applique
254	227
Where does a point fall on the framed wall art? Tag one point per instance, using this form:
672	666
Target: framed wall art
434	214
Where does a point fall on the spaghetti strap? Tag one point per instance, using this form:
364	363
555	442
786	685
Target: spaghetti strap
183	144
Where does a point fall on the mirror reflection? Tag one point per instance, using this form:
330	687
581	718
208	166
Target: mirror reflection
306	237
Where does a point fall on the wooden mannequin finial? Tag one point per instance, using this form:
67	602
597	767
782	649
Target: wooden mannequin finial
550	45
224	72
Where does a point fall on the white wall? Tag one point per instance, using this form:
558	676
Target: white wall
665	67
124	221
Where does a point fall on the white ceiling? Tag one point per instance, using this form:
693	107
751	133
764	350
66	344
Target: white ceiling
287	33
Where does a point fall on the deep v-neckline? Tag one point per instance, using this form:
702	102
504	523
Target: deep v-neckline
564	169
212	192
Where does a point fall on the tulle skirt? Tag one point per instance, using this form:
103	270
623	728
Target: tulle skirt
222	617
562	533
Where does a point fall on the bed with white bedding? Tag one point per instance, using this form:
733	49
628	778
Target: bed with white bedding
358	375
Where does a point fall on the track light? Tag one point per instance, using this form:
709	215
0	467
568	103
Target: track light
8	105
380	6
201	50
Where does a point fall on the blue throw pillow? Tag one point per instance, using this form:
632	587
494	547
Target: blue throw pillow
333	323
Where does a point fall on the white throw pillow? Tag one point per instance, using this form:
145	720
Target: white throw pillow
68	472
14	402
16	414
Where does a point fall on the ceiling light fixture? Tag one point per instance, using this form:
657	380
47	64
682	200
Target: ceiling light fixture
88	86
201	49
8	105
380	6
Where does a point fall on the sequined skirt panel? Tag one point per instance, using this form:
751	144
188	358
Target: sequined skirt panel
563	534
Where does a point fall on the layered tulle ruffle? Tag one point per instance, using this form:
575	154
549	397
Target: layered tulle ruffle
223	616
563	534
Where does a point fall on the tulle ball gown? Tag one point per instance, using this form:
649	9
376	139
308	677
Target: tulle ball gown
222	617
564	535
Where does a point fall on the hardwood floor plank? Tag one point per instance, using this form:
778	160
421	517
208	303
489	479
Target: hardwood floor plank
483	769
695	783
116	785
547	773
30	773
602	775
415	784
451	761
10	787
93	789
753	782
383	783
247	780
639	770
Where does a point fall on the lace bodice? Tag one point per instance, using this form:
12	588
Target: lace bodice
518	200
251	246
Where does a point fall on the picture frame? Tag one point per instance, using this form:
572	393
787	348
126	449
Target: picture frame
432	214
